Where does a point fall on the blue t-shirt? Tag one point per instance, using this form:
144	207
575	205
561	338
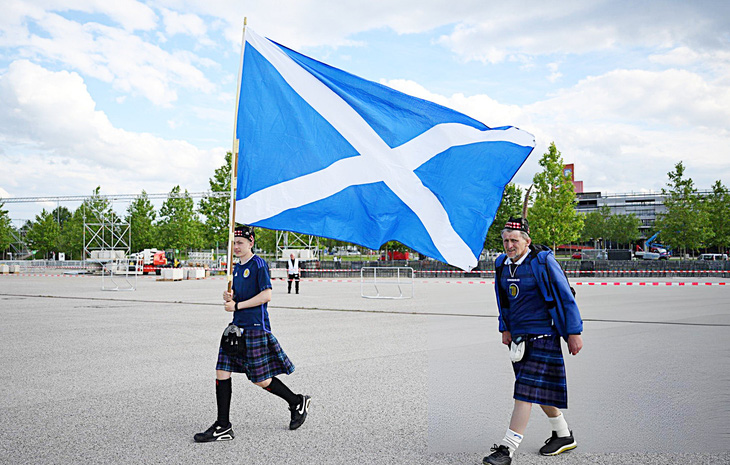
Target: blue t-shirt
249	280
527	311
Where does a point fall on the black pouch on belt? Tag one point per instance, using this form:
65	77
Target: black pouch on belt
233	342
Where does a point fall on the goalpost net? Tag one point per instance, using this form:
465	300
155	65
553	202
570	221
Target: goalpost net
386	282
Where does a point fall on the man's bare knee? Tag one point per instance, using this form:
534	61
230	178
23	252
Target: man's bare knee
222	375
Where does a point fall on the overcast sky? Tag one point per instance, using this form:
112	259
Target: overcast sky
131	95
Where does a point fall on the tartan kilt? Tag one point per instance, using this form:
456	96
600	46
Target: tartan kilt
540	375
264	358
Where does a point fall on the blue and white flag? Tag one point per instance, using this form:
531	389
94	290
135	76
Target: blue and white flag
326	153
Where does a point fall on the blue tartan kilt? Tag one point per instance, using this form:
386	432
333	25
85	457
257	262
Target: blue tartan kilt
264	358
540	375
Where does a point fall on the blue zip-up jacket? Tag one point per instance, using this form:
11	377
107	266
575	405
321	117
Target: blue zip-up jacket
555	290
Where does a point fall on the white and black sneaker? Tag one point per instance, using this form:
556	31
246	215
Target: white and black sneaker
555	445
215	433
500	456
299	412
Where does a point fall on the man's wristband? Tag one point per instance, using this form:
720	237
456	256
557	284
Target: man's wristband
235	307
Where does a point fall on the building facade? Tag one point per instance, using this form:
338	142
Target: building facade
645	206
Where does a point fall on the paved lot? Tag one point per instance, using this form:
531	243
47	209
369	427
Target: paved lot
92	376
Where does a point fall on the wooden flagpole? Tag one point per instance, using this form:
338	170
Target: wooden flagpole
234	167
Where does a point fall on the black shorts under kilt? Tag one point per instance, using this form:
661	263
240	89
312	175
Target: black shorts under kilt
540	375
264	358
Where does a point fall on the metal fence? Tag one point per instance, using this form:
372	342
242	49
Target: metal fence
434	269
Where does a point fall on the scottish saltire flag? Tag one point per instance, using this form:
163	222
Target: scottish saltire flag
326	153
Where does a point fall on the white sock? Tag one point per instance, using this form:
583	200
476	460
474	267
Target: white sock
559	425
512	440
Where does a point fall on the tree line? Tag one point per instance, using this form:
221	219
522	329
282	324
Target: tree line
691	222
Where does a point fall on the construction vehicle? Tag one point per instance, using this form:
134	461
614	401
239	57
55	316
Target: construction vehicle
653	250
153	260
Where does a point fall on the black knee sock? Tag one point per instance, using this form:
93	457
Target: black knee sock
278	388
297	287
289	286
223	398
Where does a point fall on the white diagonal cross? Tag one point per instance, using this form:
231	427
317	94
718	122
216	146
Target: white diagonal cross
376	162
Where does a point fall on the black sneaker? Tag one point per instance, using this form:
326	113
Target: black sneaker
555	445
299	413
215	433
499	456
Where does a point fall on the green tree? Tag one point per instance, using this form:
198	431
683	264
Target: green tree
44	234
717	207
595	225
216	209
179	226
6	229
61	215
553	218
623	229
266	240
141	218
72	235
511	205
685	225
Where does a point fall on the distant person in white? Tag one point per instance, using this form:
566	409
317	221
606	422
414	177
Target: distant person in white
293	272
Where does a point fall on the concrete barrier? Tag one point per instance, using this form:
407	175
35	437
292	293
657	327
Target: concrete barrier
194	273
172	274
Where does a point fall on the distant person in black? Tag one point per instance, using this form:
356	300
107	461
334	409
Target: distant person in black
293	272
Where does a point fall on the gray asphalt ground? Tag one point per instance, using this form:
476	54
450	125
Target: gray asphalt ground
92	376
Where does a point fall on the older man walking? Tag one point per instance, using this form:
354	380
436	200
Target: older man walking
536	309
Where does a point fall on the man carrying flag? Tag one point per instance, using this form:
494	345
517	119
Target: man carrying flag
255	351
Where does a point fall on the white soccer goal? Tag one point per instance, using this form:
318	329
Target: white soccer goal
119	274
386	282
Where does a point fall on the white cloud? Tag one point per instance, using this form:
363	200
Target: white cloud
130	14
554	73
115	56
714	63
624	130
496	31
61	144
304	23
671	99
189	24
